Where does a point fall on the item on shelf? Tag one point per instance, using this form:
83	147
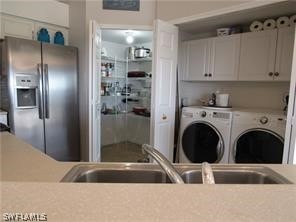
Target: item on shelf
117	89
292	20
223	31
107	69
104	52
43	35
235	30
212	101
129	100
104	108
59	38
222	100
269	24
146	84
139	110
131	52
106	88
256	26
126	90
149	75
142	52
136	74
282	22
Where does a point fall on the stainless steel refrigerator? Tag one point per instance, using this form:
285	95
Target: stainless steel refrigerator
43	95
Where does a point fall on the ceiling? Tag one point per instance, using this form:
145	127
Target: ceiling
244	17
119	36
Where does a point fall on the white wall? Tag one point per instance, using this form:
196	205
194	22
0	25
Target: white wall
265	95
144	17
115	50
175	9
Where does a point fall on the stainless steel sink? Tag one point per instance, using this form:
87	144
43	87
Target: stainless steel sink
152	173
237	175
115	174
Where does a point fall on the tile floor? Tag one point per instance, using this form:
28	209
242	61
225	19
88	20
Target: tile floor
122	152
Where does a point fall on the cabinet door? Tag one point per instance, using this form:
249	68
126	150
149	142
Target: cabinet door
284	54
51	30
16	27
225	57
182	61
257	56
197	59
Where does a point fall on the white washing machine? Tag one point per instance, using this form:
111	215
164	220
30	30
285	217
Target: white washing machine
204	135
257	137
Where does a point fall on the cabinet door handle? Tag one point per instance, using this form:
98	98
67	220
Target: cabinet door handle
276	74
270	74
210	75
164	117
205	74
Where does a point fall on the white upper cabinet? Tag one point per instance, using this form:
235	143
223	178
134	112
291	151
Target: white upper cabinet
267	55
257	56
17	27
197	60
213	59
224	57
284	54
28	29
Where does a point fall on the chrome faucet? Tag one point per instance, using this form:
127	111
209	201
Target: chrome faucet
164	163
207	173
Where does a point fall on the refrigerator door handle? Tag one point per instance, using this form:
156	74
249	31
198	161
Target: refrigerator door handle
46	91
40	92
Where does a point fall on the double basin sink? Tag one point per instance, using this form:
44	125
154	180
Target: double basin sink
152	173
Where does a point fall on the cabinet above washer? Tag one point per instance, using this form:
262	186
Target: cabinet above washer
212	59
252	56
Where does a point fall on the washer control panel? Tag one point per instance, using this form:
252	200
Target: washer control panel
203	114
263	120
221	115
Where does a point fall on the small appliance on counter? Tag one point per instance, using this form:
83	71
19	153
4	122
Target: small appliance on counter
219	100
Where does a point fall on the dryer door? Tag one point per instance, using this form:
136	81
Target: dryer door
258	146
202	142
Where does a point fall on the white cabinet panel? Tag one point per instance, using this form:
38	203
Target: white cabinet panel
13	26
225	57
284	54
197	60
257	56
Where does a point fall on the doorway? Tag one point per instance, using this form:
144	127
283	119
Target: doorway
125	91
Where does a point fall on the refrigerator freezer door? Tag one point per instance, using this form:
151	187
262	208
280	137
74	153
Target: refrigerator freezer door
23	57
60	73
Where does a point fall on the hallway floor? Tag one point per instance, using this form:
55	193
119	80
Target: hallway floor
122	152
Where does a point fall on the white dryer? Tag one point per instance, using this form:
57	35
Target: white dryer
204	135
257	137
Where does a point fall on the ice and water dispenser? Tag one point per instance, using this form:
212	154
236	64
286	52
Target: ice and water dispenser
26	90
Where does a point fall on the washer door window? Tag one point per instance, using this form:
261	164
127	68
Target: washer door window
259	146
202	142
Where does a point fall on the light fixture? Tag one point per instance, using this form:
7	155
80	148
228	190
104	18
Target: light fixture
129	37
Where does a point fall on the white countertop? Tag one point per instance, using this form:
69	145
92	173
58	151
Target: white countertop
29	183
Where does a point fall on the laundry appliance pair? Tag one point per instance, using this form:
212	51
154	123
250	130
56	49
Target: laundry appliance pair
231	136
